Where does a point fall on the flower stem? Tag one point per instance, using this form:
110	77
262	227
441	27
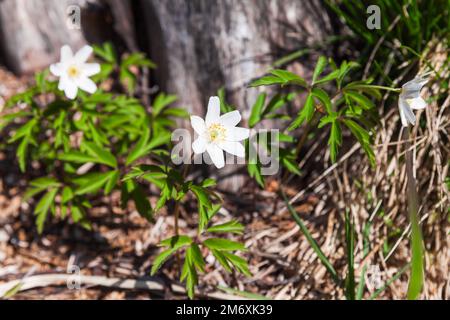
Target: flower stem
380	87
417	269
176	212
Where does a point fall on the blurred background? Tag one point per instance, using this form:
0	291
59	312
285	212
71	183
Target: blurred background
198	45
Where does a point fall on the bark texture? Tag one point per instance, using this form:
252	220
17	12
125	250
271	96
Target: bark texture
32	31
201	45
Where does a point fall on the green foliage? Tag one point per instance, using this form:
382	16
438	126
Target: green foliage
176	188
346	105
86	145
92	145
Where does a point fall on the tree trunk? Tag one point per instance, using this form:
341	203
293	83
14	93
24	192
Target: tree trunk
33	31
202	45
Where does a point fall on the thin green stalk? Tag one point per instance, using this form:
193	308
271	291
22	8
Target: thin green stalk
362	282
327	264
350	243
417	252
388	283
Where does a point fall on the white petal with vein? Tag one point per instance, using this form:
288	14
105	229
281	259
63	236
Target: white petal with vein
233	147
213	113
216	155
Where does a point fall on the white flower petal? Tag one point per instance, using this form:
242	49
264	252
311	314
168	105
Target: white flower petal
415	84
199	145
233	147
417	103
237	134
407	112
230	119
216	155
56	69
83	54
63	81
402	116
90	69
70	89
66	54
213	113
86	84
198	124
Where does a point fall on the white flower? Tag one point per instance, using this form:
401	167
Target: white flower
219	133
74	72
410	99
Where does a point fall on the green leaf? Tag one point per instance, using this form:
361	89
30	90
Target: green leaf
306	113
360	99
257	108
289	77
288	161
176	242
45	182
99	137
254	170
103	155
205	215
143	147
281	77
208	183
22	152
197	258
189	273
77	157
140	148
67	194
320	65
161	101
24	130
329	77
141	202
335	140
112	182
239	263
231	226
137	59
223	244
176	112
201	195
222	260
363	138
267	81
79	216
160	259
106	52
92	182
323	97
41	210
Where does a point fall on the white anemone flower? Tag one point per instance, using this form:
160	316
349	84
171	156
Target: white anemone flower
74	72
219	133
410	99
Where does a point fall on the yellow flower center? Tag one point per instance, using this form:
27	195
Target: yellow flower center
73	71
216	132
